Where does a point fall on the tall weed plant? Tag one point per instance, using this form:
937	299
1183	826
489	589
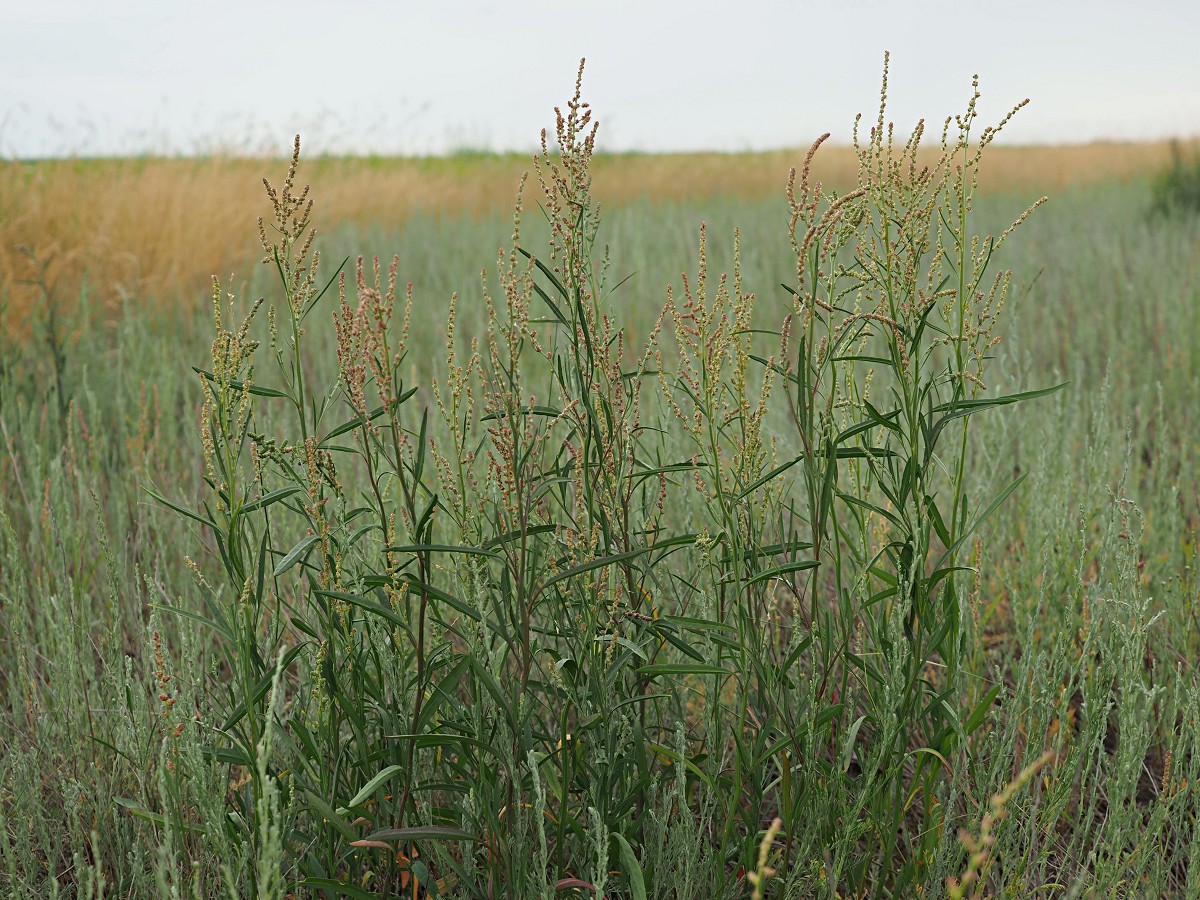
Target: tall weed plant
687	613
1175	189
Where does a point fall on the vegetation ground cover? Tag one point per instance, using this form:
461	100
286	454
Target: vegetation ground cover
624	652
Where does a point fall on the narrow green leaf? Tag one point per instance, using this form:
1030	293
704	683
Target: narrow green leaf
683	760
195	617
515	534
982	517
590	565
866	667
273	497
866	504
327	812
785	569
769	476
982	708
939	525
241	385
418	461
865	425
827	489
693	624
633	869
667	470
863	358
295	554
351	424
179	509
681	669
369	788
317	299
423	520
230	756
952	718
848	745
885	421
442	693
443	548
449	599
558	286
932	581
957	408
624	642
261	687
676	641
367	604
154	817
549	412
421	833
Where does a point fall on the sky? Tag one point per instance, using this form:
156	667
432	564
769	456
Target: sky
116	77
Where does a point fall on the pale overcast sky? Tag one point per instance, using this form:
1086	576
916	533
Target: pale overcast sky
94	77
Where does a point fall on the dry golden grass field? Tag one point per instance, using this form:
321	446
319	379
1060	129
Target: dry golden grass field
118	225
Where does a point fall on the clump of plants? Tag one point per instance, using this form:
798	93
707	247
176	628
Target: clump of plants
1175	191
685	613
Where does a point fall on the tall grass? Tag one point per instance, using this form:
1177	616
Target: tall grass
615	601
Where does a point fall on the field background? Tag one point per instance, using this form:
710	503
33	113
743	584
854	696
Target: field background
152	231
1089	586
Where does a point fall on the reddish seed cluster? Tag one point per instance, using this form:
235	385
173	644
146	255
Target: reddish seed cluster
162	677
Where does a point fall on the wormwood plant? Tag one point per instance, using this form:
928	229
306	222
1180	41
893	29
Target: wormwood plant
664	617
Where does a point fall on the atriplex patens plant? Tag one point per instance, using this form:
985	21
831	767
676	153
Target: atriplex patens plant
850	581
528	642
